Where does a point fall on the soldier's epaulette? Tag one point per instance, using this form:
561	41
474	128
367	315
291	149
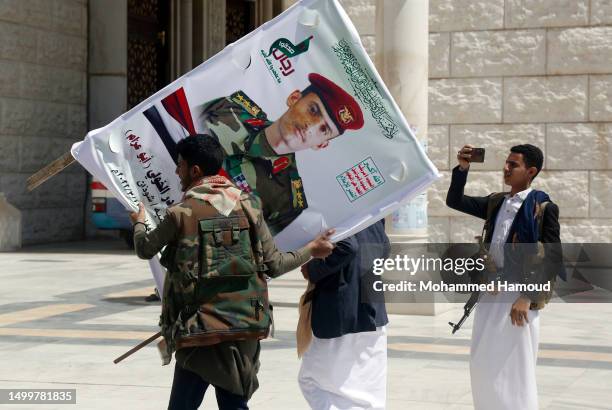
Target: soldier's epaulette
245	102
299	197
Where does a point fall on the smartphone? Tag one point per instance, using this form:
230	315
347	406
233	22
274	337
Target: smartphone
478	155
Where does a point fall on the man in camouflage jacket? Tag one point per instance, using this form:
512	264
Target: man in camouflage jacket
260	153
230	366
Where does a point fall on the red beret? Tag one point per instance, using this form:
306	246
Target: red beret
340	105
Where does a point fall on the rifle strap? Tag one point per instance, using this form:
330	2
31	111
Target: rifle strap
540	218
495	200
493	204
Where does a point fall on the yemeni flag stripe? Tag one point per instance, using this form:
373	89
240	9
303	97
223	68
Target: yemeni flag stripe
156	121
177	106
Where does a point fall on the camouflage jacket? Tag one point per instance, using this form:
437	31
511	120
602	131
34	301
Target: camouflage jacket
238	378
239	125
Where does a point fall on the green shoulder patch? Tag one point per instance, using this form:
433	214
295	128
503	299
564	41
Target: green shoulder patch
297	189
249	105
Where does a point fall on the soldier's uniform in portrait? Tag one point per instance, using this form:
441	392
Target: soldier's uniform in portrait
239	124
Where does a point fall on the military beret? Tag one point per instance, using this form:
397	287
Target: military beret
340	105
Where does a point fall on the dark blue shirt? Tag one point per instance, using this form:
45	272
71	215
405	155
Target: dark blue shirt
339	304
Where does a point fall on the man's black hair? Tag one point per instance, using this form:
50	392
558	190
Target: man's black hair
532	156
202	150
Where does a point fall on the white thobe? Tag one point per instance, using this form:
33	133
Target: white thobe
503	356
347	372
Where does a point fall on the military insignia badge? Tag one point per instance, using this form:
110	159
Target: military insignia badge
245	102
255	122
344	115
280	164
242	183
299	199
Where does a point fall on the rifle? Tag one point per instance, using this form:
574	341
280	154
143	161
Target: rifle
467	309
476	277
137	347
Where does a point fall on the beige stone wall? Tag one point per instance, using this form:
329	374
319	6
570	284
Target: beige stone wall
43	96
362	13
506	72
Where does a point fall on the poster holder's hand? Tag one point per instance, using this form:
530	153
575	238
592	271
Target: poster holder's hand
138	217
321	246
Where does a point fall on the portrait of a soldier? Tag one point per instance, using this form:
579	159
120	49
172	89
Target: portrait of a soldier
260	152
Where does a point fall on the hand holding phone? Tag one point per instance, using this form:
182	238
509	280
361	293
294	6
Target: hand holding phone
469	154
478	155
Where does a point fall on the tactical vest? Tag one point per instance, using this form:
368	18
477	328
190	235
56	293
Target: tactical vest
536	261
215	289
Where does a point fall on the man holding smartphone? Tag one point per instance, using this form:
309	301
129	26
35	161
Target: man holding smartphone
505	333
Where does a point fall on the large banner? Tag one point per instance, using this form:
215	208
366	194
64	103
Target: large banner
305	121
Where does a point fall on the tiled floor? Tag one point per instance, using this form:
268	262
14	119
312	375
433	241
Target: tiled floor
67	311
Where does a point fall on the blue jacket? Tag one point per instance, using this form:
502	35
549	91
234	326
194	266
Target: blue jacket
338	305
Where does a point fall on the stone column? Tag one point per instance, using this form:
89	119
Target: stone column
181	37
208	29
402	42
285	4
107	61
264	11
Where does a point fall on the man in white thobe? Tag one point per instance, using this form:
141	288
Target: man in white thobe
506	327
345	366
